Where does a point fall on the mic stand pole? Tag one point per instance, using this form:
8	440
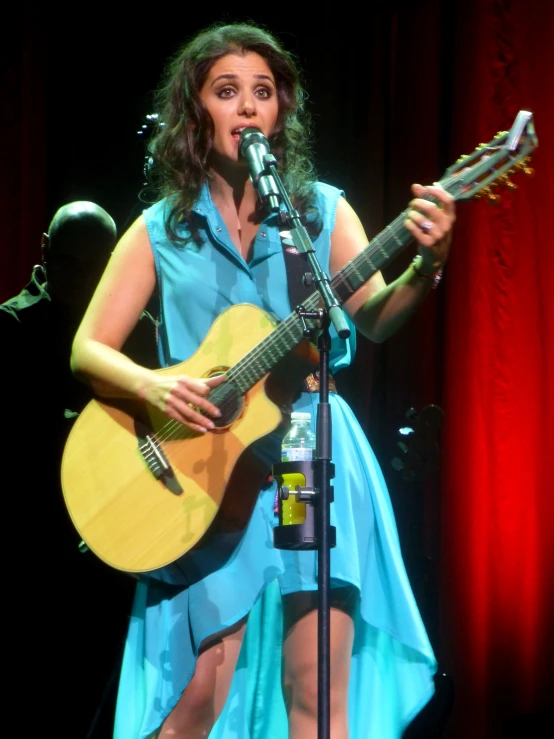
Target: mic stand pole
322	476
325	534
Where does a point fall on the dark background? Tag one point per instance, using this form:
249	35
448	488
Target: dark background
398	90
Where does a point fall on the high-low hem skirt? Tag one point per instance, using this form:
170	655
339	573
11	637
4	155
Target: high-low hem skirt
392	664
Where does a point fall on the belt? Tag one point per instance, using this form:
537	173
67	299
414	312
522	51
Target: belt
311	383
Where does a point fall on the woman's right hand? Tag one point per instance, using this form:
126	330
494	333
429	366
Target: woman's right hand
180	396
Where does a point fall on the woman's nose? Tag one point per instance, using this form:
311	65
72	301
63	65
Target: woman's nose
247	106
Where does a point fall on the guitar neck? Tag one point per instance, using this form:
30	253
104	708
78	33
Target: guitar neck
377	254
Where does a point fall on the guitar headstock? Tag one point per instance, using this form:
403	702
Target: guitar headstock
491	165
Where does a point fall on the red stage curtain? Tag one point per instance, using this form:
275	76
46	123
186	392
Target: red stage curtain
22	122
498	483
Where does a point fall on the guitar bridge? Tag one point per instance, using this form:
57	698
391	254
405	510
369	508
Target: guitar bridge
157	462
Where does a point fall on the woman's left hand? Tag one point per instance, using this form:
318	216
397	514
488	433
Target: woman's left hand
431	225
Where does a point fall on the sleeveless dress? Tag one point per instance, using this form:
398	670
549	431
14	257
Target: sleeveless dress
393	663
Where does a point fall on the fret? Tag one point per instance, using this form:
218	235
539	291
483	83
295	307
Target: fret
395	236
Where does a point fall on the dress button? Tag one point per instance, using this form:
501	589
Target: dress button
217	228
263	233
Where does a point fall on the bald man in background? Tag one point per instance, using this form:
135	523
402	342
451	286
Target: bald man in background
41	321
69	610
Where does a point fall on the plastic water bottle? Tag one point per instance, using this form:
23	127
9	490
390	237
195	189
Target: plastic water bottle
298	445
299	442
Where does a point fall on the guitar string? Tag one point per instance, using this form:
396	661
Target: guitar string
172	428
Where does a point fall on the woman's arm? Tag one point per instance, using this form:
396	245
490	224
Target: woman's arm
115	308
377	309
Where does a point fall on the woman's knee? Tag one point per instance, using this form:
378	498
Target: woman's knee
300	668
204	697
300	689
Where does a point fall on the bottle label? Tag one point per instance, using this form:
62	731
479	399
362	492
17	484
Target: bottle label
298	454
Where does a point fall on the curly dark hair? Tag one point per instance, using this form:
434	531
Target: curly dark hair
181	144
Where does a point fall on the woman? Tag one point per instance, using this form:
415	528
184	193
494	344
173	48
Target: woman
206	245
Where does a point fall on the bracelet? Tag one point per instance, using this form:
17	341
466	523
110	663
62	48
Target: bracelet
434	277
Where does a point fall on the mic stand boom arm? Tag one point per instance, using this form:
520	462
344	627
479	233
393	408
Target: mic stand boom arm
302	242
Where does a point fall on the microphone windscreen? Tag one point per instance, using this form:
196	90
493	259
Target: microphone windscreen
251	135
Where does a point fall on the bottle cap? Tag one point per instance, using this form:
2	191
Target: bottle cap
299	416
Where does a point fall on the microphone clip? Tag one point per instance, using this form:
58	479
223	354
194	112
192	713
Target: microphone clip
266	160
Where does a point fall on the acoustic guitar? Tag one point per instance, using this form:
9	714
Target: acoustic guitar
143	490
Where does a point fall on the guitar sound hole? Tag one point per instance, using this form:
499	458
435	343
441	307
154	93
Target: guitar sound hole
229	401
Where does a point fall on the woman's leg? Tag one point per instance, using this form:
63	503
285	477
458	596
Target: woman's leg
300	677
204	697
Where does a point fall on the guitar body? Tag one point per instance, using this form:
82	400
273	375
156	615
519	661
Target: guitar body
137	521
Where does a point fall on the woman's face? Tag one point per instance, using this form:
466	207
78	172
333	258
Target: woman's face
239	91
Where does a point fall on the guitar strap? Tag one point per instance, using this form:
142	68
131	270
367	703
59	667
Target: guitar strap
296	266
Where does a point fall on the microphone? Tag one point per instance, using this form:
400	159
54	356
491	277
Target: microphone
254	147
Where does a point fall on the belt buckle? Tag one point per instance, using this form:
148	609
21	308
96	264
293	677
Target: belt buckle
312	383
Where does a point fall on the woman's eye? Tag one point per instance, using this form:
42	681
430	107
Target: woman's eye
263	92
225	92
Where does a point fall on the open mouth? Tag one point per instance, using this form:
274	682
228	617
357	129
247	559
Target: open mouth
236	132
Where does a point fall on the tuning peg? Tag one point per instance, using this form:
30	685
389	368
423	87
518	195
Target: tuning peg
525	166
505	181
522	166
489	195
462	158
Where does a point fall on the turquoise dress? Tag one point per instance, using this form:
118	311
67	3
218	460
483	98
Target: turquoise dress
392	660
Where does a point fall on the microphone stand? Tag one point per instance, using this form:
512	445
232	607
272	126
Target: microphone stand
322	466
